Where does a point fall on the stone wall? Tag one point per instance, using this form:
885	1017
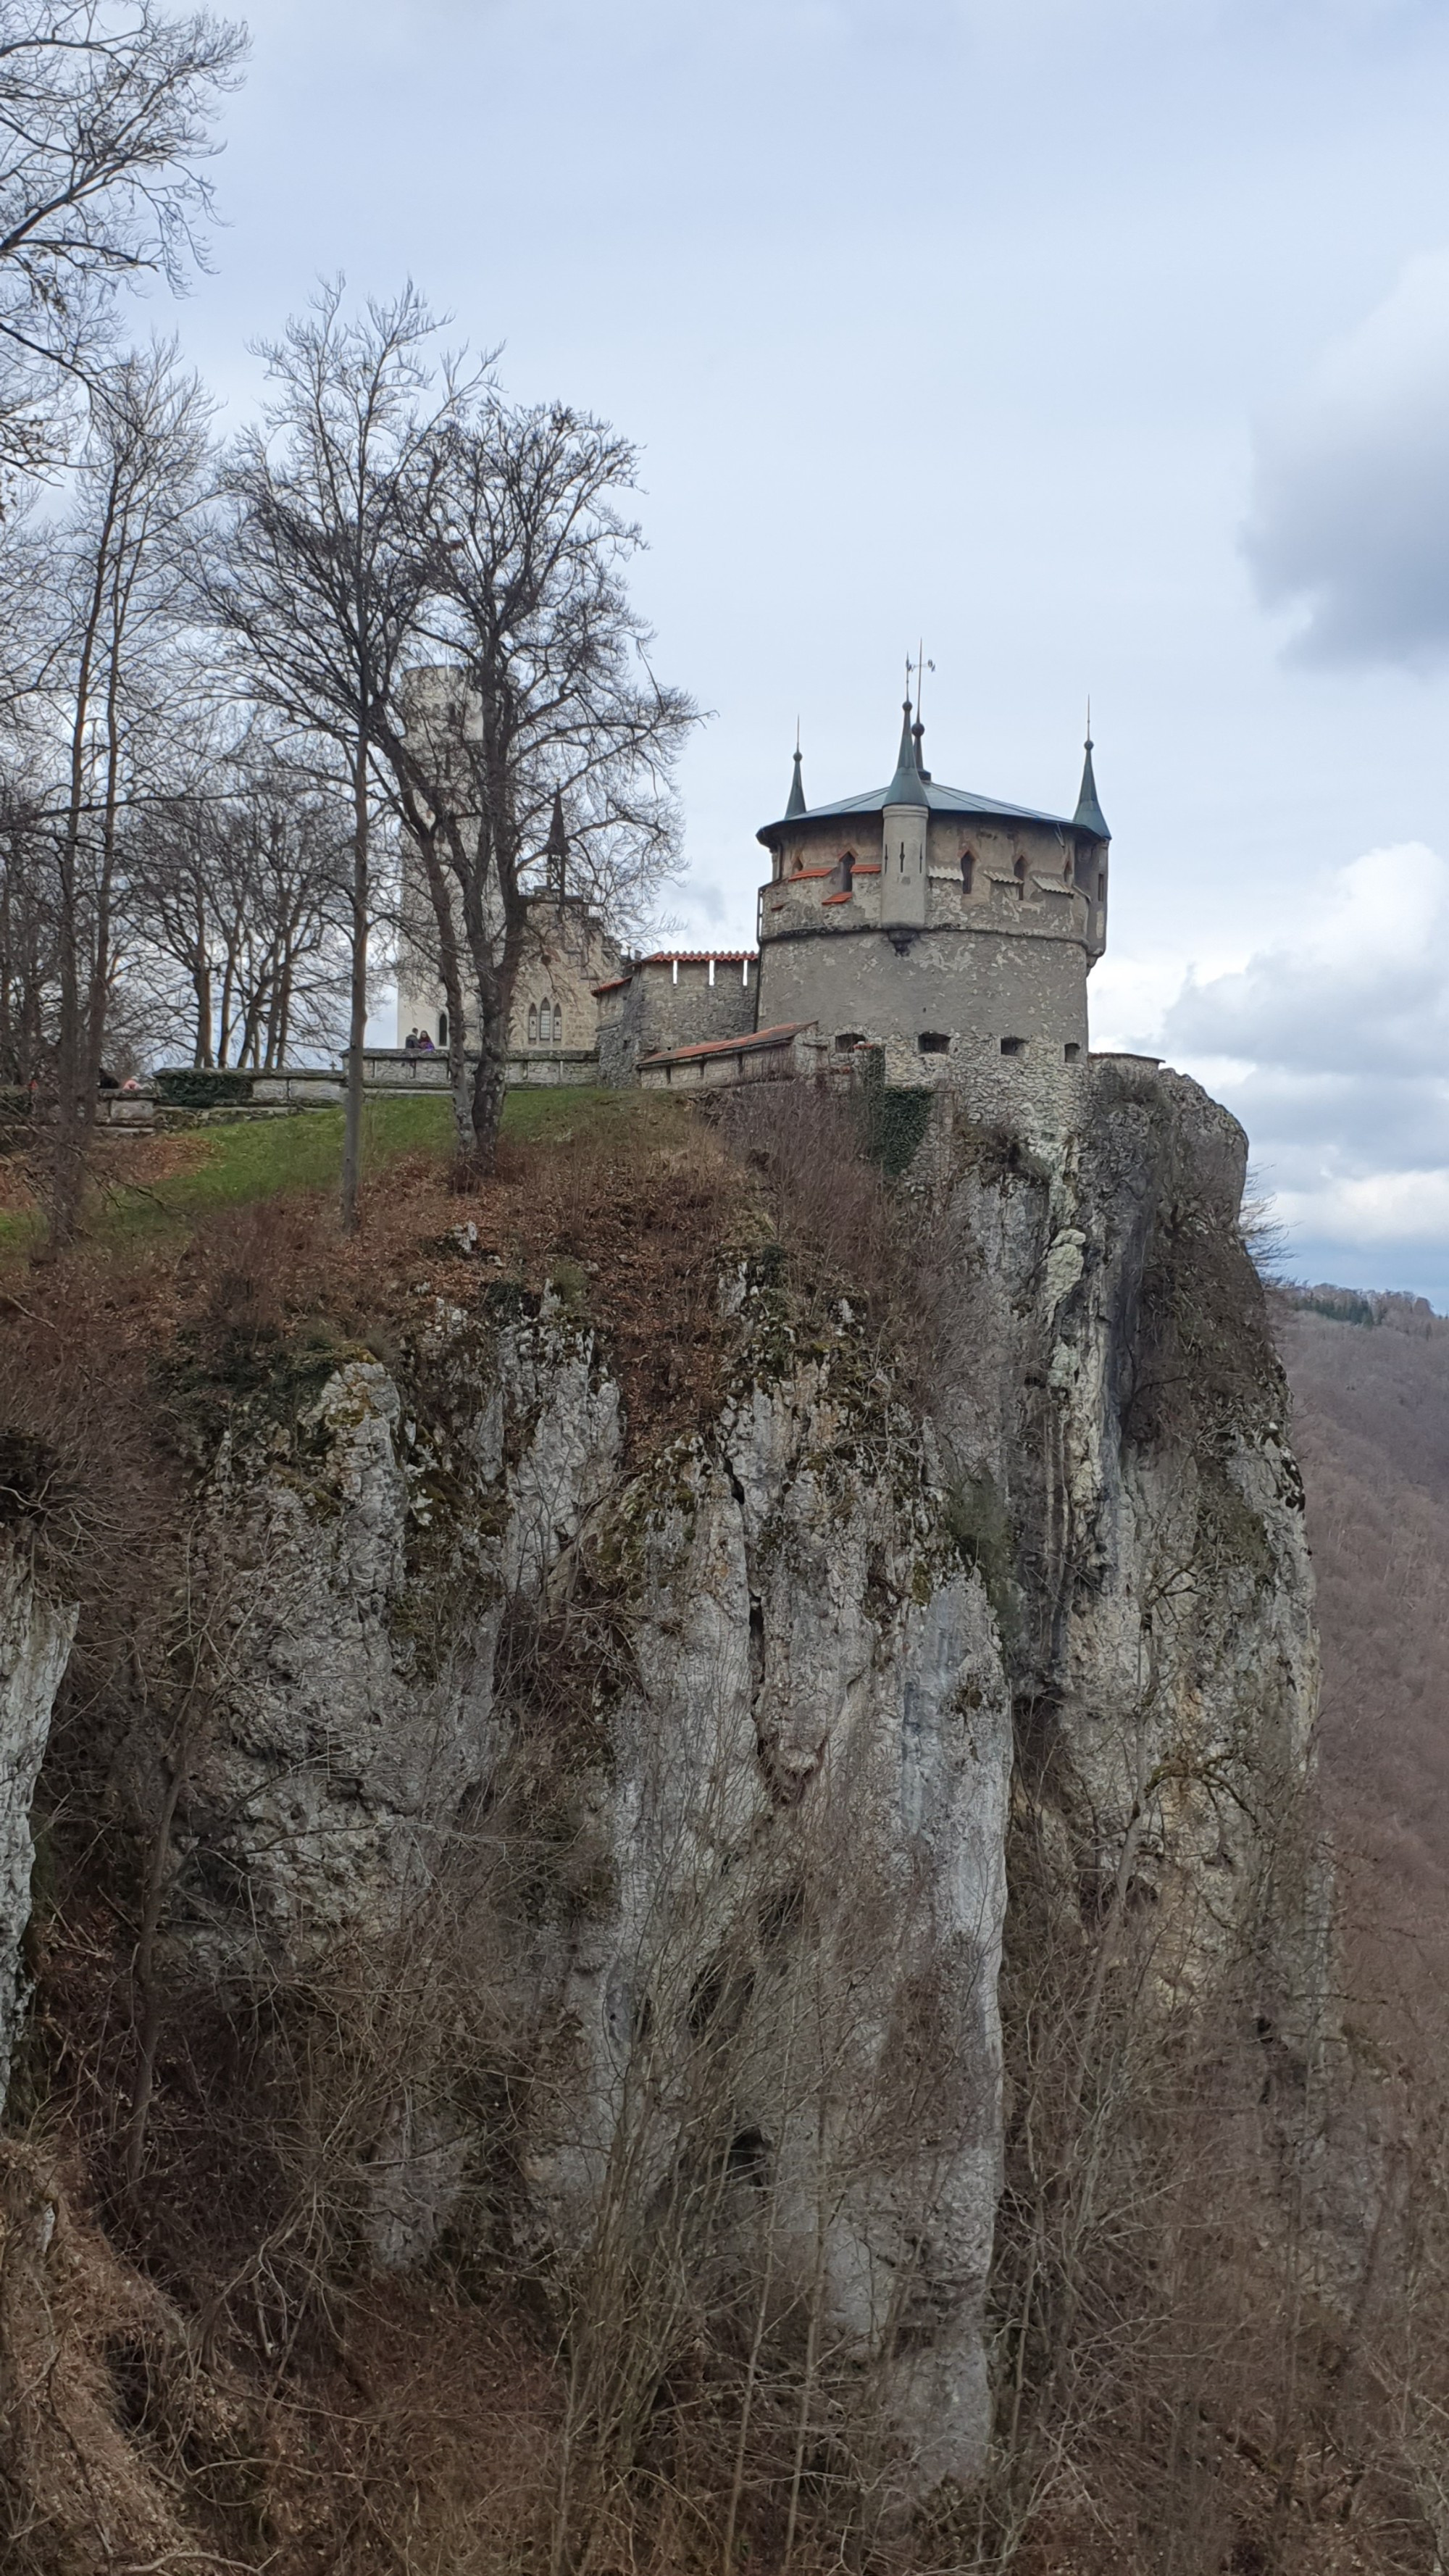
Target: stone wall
974	987
671	1001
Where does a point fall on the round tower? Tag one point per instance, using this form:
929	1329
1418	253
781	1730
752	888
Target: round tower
945	928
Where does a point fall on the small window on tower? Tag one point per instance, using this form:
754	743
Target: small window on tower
968	870
1013	1046
1071	1051
934	1042
1019	872
847	871
442	1028
1101	889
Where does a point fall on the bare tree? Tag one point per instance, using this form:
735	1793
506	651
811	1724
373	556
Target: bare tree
244	906
319	580
117	569
105	118
546	690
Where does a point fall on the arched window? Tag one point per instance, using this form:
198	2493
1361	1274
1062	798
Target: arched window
968	870
442	1028
533	1024
558	1024
847	871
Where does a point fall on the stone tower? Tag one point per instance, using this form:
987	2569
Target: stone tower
953	932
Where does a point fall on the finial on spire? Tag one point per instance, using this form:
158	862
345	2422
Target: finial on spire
1089	816
796	803
908	787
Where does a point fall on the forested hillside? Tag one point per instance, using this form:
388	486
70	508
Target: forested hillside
1370	1381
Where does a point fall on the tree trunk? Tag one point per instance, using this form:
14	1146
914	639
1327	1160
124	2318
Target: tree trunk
68	1171
357	1023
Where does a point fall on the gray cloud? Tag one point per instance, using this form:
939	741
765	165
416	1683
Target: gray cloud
1333	1055
1350	519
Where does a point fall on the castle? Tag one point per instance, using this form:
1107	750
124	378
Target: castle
946	934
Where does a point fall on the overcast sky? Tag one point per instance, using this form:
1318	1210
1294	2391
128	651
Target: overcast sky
1103	342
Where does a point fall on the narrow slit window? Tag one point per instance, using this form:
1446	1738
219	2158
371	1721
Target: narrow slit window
533	1024
968	870
442	1028
558	1024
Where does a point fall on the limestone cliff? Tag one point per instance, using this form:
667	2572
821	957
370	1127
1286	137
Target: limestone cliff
729	1739
35	1639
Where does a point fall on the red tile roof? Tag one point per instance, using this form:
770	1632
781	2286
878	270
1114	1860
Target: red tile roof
731	1046
615	984
839	898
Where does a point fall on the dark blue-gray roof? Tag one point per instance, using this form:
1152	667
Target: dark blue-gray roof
913	785
938	799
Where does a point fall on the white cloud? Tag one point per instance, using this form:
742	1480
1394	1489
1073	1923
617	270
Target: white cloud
1350	519
1334	1052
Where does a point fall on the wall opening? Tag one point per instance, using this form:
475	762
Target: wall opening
847	872
1013	1046
1018	870
968	870
558	1024
845	1039
442	1028
1071	1051
532	1025
934	1042
1101	889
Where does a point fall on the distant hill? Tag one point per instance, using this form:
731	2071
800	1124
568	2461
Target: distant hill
1370	1380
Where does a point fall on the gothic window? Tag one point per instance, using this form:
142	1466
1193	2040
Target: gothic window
442	1028
968	870
847	871
558	1024
533	1024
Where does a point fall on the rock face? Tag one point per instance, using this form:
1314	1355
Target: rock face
35	1639
738	1731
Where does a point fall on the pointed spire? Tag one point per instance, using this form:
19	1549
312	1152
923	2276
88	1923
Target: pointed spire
556	847
1089	816
907	787
796	803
